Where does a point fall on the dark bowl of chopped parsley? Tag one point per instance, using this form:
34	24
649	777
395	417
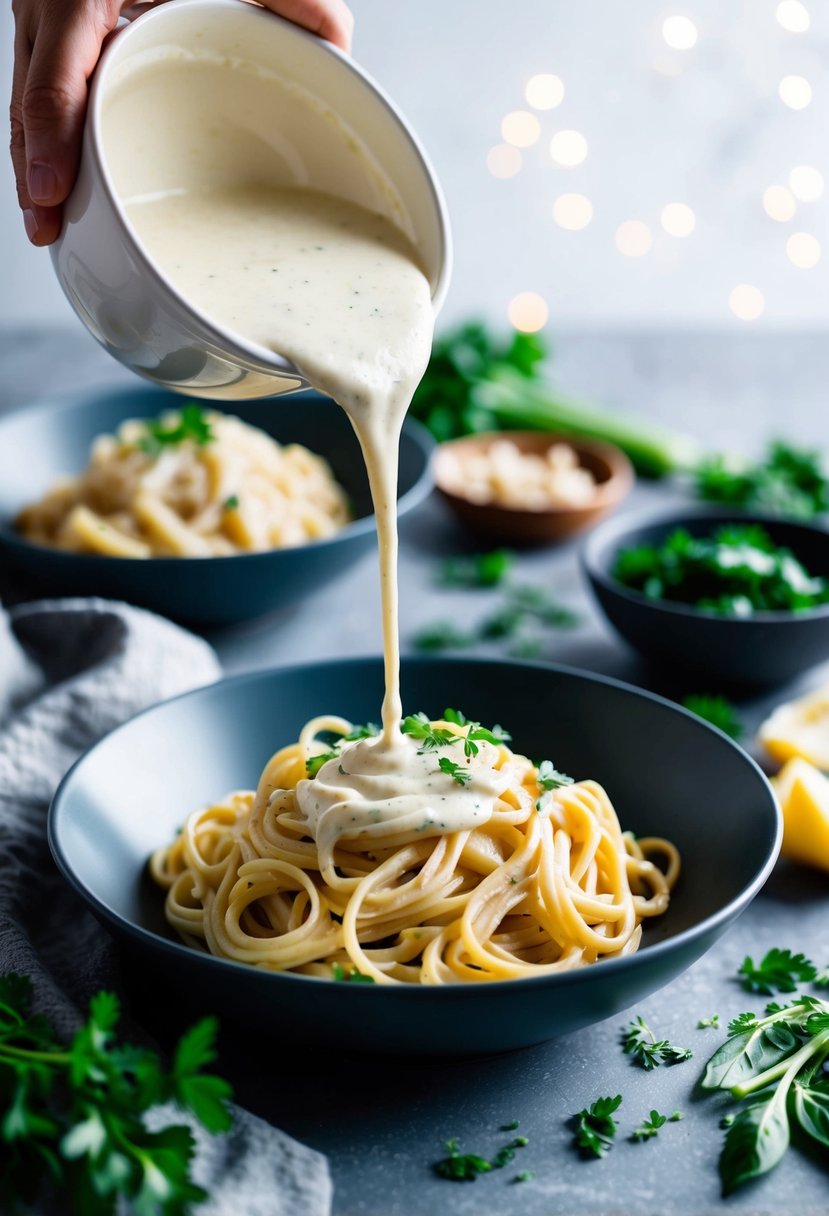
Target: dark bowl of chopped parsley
740	598
44	442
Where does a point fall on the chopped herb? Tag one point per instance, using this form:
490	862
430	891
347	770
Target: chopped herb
72	1115
503	1157
480	570
713	1021
352	976
442	635
675	1116
549	778
512	1126
736	571
596	1127
314	763
777	1063
726	1121
430	738
778	971
649	1127
716	710
524	1176
821	979
231	504
456	771
461	1167
190	423
524	609
649	1052
367	731
789	482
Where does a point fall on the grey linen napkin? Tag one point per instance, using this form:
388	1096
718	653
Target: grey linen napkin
70	670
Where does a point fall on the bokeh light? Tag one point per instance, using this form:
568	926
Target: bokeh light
747	302
795	92
568	148
779	204
806	183
678	219
520	128
503	160
680	33
803	250
572	211
528	312
793	16
544	92
633	238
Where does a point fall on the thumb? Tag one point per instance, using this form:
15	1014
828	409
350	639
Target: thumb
63	57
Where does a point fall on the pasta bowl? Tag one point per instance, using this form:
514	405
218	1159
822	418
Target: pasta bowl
114	808
42	443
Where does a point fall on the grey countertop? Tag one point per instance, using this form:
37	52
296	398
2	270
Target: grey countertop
382	1122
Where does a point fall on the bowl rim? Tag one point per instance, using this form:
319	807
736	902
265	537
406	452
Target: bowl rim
607	493
47	406
226	340
576	977
613	531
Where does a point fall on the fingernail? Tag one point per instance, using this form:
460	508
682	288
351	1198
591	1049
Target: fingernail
30	224
42	182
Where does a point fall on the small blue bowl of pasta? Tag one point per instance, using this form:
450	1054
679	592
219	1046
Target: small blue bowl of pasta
563	933
179	517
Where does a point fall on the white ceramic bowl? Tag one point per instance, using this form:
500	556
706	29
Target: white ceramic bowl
366	153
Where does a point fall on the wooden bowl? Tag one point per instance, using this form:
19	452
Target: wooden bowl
523	526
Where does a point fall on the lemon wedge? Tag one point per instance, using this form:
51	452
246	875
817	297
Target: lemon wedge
799	729
803	793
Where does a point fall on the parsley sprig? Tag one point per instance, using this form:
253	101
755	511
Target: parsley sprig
189	423
595	1126
71	1115
465	1167
648	1052
430	737
549	778
457	772
777	971
314	763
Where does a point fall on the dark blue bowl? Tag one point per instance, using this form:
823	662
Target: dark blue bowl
41	443
114	808
762	650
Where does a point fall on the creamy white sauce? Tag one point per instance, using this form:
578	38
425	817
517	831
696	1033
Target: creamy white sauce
338	290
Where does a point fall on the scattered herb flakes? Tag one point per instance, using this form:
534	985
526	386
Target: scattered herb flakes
524	1176
461	1167
717	710
549	778
649	1127
479	570
596	1127
457	772
524	610
736	571
443	635
789	482
189	423
350	976
512	1126
429	737
778	971
313	764
713	1022
231	504
647	1051
75	1113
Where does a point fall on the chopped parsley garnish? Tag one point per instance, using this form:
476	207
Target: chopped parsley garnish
736	571
479	570
524	610
596	1127
429	737
72	1115
549	778
352	976
432	737
190	423
647	1051
524	1176
461	1167
712	1022
314	763
443	635
778	971
512	1126
716	710
231	504
456	771
649	1127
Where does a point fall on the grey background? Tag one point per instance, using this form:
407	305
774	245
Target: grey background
383	1122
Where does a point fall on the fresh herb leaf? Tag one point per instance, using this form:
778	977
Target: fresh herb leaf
649	1127
810	1102
754	1143
789	482
649	1052
778	971
596	1127
429	737
821	978
369	730
480	570
713	1021
716	710
457	772
549	778
461	1167
314	763
189	423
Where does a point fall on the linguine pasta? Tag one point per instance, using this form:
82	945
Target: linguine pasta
191	484
481	875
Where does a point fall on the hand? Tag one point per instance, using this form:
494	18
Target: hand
56	48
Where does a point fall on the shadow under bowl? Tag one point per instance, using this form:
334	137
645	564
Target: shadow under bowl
610	467
113	810
765	649
41	443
